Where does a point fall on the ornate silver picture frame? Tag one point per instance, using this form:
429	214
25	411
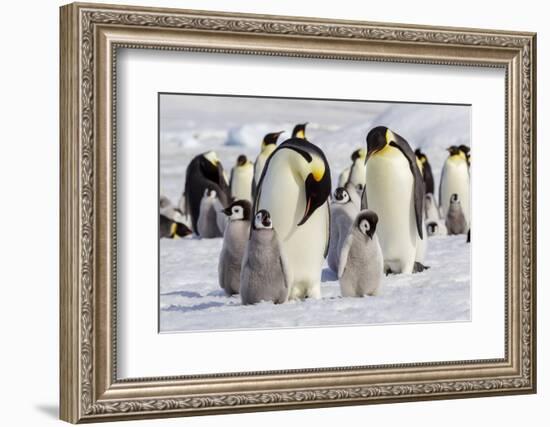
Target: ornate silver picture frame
91	36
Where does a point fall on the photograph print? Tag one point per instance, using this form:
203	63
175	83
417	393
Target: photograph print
293	213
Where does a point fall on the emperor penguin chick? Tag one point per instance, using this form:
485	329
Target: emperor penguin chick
455	221
264	273
234	243
207	224
361	262
342	213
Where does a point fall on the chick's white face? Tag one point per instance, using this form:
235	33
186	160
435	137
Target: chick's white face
262	221
364	226
237	213
341	197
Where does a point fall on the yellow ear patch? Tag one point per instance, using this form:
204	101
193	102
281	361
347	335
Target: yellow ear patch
301	134
389	136
173	229
420	165
362	153
317	169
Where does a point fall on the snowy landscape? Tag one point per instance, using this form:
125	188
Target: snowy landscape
190	296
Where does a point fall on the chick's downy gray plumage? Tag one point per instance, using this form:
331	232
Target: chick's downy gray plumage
207	224
264	273
361	261
342	213
234	243
456	221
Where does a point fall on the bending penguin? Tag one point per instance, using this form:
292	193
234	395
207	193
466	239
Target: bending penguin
455	179
426	170
241	178
269	144
299	131
361	261
342	213
395	191
235	239
205	171
264	273
172	229
294	189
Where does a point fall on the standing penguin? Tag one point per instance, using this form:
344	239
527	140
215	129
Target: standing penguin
395	191
269	144
455	179
358	168
294	189
361	261
342	213
426	170
234	242
431	212
299	131
455	220
205	171
207	224
264	274
240	182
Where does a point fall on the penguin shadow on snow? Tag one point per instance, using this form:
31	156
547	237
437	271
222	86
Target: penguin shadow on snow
193	308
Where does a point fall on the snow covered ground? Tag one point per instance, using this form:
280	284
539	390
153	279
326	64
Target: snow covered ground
190	296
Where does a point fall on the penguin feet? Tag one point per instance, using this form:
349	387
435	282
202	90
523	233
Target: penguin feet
419	267
389	271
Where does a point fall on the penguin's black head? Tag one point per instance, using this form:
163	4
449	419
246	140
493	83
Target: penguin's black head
341	195
181	230
366	222
454	198
299	131
271	138
464	148
454	150
262	220
420	155
239	210
358	154
431	228
376	140
211	166
241	160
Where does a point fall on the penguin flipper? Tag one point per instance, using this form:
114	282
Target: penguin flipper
327	245
344	253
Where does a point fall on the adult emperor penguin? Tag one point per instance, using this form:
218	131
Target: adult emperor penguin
299	131
426	170
240	182
361	262
294	188
264	274
269	144
395	191
455	179
205	171
358	168
235	239
172	229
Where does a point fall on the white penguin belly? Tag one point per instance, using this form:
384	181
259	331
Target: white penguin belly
241	183
390	194
283	195
455	178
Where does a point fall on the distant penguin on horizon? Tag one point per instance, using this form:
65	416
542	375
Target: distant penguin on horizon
299	131
240	182
269	144
294	189
235	239
265	275
205	171
455	179
361	263
395	190
455	220
426	170
342	213
207	224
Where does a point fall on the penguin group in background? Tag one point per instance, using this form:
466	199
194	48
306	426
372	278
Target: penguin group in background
207	224
455	179
426	170
342	213
269	144
204	172
294	188
395	189
168	228
299	131
242	175
361	262
235	239
265	275
455	220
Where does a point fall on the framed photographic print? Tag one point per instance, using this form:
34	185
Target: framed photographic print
266	212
